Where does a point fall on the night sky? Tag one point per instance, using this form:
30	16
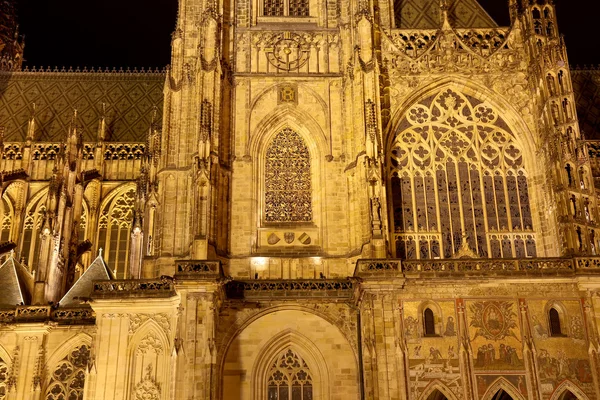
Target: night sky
137	33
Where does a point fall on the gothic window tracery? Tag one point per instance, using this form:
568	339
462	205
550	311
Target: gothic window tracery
3	379
288	194
115	231
289	378
458	175
68	377
6	222
34	218
287	8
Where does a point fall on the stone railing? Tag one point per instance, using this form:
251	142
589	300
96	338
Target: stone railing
66	316
198	269
541	266
291	289
161	287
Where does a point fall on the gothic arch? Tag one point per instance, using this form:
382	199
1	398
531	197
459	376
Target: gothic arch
440	387
5	356
565	386
290	339
67	368
236	328
149	362
437	314
506	109
562	314
114	227
294	118
63	350
32	223
449	150
280	326
502	383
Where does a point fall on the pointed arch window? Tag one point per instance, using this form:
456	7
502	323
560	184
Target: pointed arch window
568	395
286	8
6	221
502	395
3	379
32	226
289	378
288	194
554	318
429	322
458	182
437	395
115	231
68	377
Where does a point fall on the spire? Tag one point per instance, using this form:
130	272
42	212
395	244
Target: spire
31	125
11	45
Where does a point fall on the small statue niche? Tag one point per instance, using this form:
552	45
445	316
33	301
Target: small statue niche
574	206
569	176
579	239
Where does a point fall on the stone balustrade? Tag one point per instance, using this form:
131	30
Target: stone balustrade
290	289
64	316
161	287
384	268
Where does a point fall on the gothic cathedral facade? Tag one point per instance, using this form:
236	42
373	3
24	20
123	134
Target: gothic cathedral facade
316	200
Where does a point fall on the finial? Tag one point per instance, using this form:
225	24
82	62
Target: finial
445	23
100	252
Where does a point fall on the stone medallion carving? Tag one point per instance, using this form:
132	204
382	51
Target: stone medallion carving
288	51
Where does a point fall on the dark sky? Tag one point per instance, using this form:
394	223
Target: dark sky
136	33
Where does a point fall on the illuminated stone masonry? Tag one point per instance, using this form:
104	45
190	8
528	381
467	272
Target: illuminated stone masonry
323	200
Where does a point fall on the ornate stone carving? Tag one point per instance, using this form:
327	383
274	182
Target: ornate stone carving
150	342
147	388
137	320
288	194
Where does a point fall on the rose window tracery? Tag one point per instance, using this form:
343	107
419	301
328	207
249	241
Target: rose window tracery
68	377
287	179
290	378
458	174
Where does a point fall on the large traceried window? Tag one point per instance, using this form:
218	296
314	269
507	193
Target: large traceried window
114	231
68	377
34	218
289	378
286	8
3	379
6	222
288	179
458	174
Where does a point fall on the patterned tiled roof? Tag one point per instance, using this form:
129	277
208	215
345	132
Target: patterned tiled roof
586	84
127	99
425	14
16	283
97	271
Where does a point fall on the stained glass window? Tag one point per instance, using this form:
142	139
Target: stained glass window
458	176
115	230
68	377
289	378
287	179
291	8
